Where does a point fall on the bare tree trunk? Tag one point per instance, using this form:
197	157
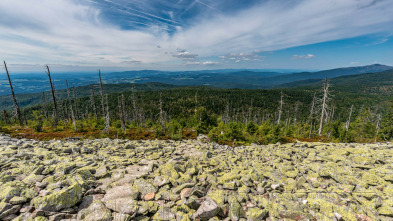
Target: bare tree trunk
121	115
324	105
311	117
18	113
93	102
296	114
55	113
349	119
77	114
107	120
123	104
72	111
102	94
161	113
5	117
280	109
44	106
377	126
134	107
63	105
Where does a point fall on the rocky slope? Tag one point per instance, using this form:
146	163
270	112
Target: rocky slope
190	180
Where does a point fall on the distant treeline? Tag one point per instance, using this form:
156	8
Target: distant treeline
229	116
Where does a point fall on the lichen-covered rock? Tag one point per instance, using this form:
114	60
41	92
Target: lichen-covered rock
143	187
183	180
62	199
123	205
95	212
119	192
256	214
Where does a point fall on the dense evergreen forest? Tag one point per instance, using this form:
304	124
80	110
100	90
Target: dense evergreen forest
227	116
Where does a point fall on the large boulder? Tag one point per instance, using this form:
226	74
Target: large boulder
208	209
62	199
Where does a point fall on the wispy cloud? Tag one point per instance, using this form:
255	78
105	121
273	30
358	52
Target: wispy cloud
203	63
306	56
73	32
237	57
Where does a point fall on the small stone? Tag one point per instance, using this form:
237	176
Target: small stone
149	196
185	193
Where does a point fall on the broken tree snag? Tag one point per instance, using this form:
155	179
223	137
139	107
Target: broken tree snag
311	117
325	100
280	108
5	117
44	106
18	113
93	102
77	117
107	120
72	112
55	113
102	94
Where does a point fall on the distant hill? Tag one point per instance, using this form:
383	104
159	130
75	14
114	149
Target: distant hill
379	83
313	76
25	100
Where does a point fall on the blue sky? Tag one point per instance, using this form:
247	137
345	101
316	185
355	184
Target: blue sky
84	35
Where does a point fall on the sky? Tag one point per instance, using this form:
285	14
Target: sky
84	35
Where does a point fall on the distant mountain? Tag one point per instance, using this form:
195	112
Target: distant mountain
225	78
379	83
239	79
312	76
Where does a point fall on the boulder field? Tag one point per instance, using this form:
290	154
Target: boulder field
103	180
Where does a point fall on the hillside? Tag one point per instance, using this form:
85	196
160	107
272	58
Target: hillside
380	83
246	79
25	100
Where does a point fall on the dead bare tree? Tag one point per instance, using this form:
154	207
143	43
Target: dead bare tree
5	117
77	114
325	99
161	113
93	102
72	111
311	117
44	106
280	108
134	107
296	114
377	126
102	94
63	105
107	120
347	124
55	113
121	114
18	113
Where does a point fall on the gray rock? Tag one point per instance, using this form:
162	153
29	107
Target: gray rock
123	205
208	209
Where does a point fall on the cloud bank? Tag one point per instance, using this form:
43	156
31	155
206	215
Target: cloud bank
72	32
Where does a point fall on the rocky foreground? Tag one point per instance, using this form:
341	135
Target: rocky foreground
190	180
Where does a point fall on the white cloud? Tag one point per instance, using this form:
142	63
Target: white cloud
185	55
204	63
237	57
71	33
306	56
